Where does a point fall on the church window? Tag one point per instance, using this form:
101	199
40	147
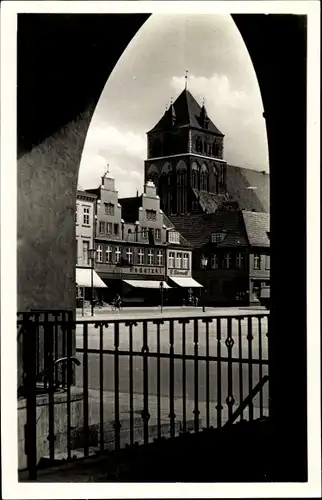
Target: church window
204	178
181	188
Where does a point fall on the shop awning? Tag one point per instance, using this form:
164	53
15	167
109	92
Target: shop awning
187	282
84	278
146	283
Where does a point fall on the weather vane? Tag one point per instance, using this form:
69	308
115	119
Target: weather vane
107	170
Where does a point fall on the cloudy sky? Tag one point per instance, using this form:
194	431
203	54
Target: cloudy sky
151	72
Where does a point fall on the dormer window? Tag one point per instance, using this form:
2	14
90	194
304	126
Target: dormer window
174	237
217	237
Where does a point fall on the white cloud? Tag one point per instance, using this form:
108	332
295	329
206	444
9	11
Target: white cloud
237	114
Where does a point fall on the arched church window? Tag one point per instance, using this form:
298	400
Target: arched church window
204	178
194	175
181	174
165	188
153	174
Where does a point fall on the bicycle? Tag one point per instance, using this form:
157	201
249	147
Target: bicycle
115	306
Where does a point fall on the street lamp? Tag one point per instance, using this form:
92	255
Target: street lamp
161	292
92	253
204	265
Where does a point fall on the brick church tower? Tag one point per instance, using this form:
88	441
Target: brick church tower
185	157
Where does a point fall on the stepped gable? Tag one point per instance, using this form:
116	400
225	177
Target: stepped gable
257	226
238	182
187	113
130	208
197	228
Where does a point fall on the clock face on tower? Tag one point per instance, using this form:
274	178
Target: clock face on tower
185	156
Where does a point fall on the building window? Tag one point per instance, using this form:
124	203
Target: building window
239	260
267	262
151	215
198	145
257	261
159	258
85	252
99	253
185	261
116	229
174	237
179	261
171	259
109	208
109	227
217	237
108	254
227	260
141	256
102	227
86	216
214	261
157	234
150	257
144	233
129	255
117	255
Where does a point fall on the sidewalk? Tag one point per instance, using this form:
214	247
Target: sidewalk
167	312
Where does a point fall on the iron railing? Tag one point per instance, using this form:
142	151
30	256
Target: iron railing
144	379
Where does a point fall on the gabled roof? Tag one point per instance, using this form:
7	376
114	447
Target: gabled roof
240	181
257	226
130	208
197	228
187	113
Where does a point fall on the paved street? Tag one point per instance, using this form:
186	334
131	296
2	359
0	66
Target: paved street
237	369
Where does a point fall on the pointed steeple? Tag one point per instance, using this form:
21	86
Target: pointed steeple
203	115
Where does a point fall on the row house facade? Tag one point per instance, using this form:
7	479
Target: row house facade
136	245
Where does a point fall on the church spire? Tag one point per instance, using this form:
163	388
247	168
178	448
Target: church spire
186	80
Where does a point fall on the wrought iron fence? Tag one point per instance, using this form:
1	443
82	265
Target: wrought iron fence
143	379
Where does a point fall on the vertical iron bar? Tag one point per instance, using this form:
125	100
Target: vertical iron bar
66	319
184	396
159	379
240	355
57	368
207	376
269	347
196	373
51	408
250	366
229	345
131	382
172	414
260	365
29	368
68	328
117	424
46	349
219	405
101	375
145	413
85	388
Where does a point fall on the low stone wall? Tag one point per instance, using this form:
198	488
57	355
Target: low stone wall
60	420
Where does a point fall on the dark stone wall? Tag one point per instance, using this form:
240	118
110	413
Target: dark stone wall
46	196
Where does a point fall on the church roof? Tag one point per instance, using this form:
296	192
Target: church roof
187	112
257	226
250	188
209	202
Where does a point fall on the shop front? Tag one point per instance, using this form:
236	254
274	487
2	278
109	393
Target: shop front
137	285
88	284
186	290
